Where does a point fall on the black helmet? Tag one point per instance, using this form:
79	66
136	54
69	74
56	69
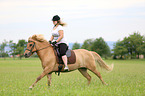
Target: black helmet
55	18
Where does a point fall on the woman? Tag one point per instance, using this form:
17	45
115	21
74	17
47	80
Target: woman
59	39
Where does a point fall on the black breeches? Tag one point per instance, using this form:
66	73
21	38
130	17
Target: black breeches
62	49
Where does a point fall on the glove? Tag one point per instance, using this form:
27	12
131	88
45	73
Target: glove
50	42
53	43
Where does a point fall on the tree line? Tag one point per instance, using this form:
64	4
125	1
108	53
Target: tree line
89	44
128	48
15	48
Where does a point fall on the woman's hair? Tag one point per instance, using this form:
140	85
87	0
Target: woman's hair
61	23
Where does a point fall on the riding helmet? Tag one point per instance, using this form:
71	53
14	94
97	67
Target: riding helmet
55	18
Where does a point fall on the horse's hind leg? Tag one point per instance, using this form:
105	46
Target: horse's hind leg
99	75
83	71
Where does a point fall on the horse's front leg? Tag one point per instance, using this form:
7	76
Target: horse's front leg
45	72
49	78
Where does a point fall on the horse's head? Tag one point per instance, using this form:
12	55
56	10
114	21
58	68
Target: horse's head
31	48
34	45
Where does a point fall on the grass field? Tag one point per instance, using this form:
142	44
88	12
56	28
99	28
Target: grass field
127	79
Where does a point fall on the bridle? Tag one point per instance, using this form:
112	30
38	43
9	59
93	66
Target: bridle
34	45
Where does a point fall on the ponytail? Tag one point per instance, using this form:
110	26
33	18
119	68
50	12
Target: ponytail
61	23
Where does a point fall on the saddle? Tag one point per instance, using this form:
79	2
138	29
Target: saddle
71	57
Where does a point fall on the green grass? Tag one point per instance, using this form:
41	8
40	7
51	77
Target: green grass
127	79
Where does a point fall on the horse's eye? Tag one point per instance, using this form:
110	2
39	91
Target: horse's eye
30	45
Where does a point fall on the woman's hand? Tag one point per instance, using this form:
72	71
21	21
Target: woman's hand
53	43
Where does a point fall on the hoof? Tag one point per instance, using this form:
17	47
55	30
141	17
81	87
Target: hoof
105	83
49	85
30	88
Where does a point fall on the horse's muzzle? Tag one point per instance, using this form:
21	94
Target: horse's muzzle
27	55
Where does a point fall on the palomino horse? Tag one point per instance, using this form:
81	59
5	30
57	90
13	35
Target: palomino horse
85	60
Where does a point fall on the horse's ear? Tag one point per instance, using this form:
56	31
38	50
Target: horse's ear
29	38
34	36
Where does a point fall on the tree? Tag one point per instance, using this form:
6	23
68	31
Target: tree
2	49
119	49
141	49
132	43
101	47
13	47
98	45
87	44
20	47
76	46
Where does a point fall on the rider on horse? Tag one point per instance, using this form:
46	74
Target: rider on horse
58	39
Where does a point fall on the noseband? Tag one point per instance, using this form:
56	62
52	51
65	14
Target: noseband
35	47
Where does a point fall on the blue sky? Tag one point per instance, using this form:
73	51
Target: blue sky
110	19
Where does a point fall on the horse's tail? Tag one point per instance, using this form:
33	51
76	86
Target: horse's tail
101	63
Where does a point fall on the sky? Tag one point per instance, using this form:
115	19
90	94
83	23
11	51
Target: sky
110	19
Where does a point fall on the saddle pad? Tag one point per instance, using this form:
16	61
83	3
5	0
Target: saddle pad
71	57
68	53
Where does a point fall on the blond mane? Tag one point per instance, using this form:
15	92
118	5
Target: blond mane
38	37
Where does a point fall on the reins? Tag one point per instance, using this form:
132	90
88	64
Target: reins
42	48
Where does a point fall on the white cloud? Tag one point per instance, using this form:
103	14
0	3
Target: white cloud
26	8
70	4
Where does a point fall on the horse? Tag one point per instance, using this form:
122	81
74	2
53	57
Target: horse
85	60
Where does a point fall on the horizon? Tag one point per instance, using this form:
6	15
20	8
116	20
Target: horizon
109	43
